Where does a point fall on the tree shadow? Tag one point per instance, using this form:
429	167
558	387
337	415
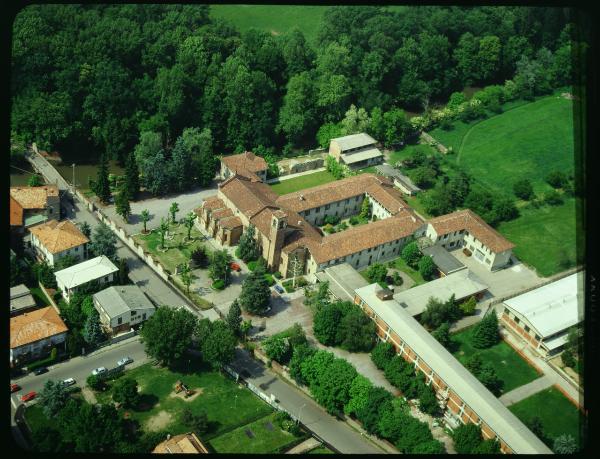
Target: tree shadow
147	402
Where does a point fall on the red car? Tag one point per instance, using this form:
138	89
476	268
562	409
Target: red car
235	266
29	396
15	388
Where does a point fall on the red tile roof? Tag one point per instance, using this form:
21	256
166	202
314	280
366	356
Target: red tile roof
246	161
16	213
33	326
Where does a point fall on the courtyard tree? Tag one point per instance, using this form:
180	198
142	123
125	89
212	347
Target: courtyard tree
278	348
365	209
104	242
486	334
163	230
248	247
53	398
318	297
216	342
437	312
523	189
145	217
234	317
173	211
411	254
359	394
220	266
125	392
376	273
428	402
167	334
377	401
489	446
190	218
245	328
427	267
256	295
122	206
442	334
467	438
326	322
186	276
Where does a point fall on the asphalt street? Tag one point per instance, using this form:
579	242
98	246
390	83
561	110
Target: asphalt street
334	431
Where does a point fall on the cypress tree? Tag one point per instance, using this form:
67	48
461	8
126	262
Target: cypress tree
234	318
102	184
486	332
132	178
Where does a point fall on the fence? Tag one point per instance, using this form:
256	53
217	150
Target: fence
49	297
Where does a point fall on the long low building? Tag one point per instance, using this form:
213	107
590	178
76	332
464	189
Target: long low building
462	284
543	317
461	395
343	280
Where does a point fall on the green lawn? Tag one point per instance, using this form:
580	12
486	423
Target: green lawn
302	182
509	366
558	415
409	150
546	237
178	250
259	437
36	419
320	450
402	266
39	297
226	404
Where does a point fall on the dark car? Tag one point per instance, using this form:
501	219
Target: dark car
40	371
279	289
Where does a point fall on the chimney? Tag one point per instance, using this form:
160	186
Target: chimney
385	294
299	222
168	436
301	197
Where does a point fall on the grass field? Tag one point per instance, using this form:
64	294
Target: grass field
259	437
558	415
401	265
509	366
302	182
39	297
409	150
320	450
178	250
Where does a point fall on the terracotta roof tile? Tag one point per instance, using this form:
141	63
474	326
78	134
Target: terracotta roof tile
33	197
246	161
474	224
230	222
59	236
222	213
16	213
33	326
181	444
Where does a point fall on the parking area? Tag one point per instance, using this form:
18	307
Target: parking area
504	281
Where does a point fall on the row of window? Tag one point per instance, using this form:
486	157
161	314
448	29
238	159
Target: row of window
517	320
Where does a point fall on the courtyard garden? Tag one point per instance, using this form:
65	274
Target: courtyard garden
557	414
509	366
302	182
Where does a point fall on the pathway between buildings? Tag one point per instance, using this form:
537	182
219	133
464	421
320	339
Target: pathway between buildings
291	176
305	446
520	393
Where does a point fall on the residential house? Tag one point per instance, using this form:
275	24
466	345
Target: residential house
54	240
187	443
122	307
33	334
246	164
356	151
542	317
21	300
72	279
32	205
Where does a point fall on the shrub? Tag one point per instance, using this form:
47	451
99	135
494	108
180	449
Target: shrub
382	353
468	307
342	226
397	279
95	382
556	179
376	272
411	254
328	228
567	358
354	220
427	267
331	219
523	189
277	275
269	279
553	198
218	284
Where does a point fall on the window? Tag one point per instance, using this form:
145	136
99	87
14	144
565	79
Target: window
526	328
144	316
537	337
133	313
120	320
105	278
517	320
318	209
357	198
327	207
487	260
506	311
461	231
347	201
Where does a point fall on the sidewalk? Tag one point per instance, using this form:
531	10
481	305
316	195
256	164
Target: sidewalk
520	393
305	446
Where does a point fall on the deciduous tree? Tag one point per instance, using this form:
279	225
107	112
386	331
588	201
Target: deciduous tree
125	391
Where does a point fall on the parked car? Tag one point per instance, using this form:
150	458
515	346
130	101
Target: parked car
68	382
40	371
14	388
279	289
124	361
99	371
235	267
29	396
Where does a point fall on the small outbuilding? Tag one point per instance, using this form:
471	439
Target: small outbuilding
21	300
444	260
356	150
404	183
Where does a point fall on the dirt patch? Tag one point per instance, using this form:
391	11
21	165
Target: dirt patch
181	395
89	395
567	95
159	421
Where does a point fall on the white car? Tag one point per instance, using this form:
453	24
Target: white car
68	382
99	371
124	361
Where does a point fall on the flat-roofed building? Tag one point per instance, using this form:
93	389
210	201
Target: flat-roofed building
99	269
446	262
343	280
542	317
462	397
404	183
122	307
21	300
33	334
54	240
356	150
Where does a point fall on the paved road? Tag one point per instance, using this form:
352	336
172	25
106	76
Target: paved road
340	435
139	272
525	391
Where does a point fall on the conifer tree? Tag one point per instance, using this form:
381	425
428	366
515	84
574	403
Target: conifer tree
102	186
132	178
486	332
